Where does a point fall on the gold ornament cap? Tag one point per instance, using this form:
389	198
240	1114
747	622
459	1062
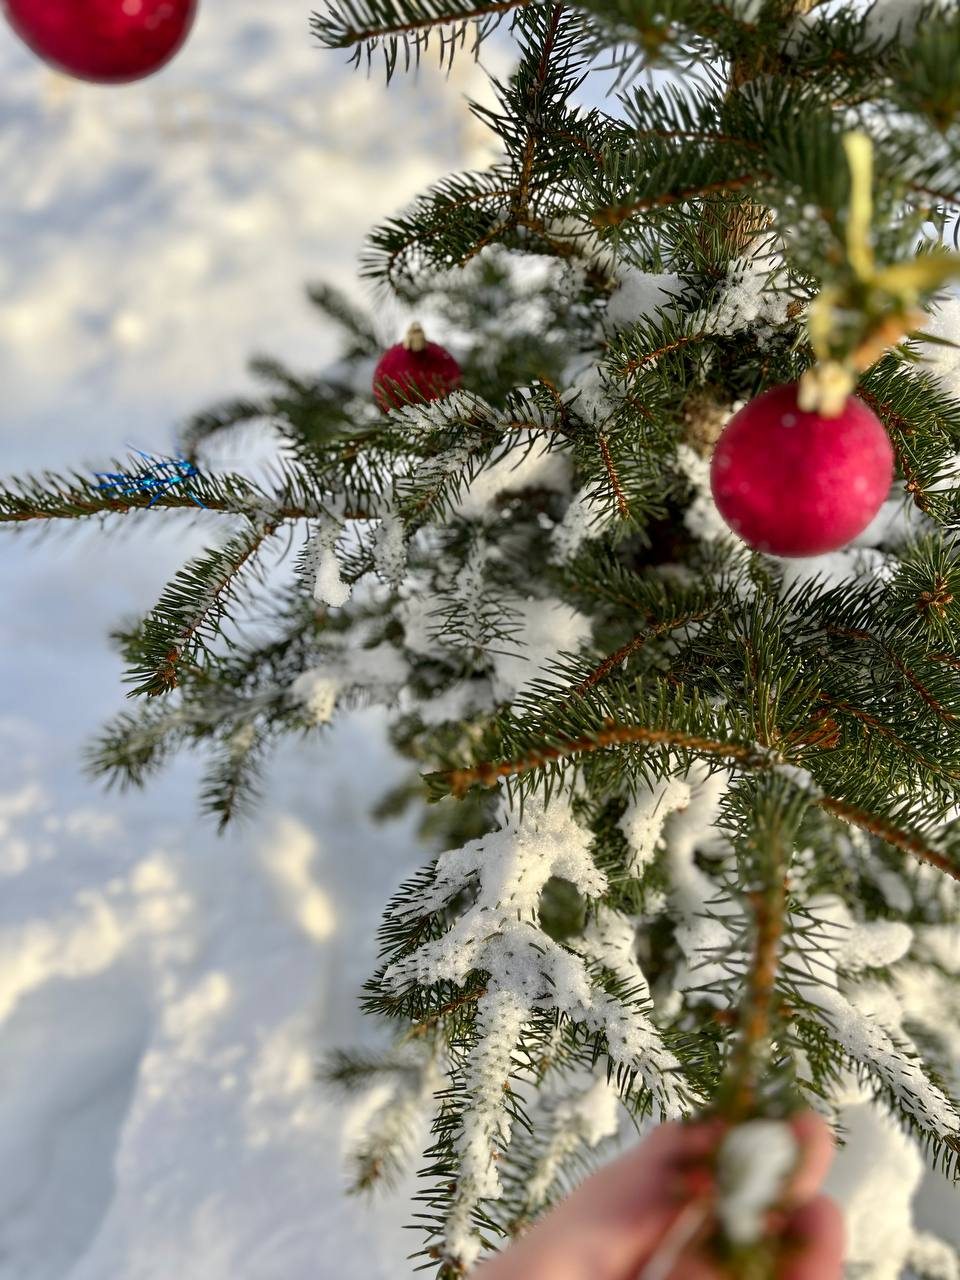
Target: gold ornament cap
415	339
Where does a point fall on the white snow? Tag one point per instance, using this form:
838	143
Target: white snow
941	944
610	940
899	19
638	295
898	521
943	322
802	779
835	568
696	899
514	863
317	691
543	629
644	817
378	672
587	1117
595	1113
702	517
753	296
867	1017
872	944
875	1178
932	1258
161	1013
390	550
586	517
580	235
588	392
487	1125
753	1164
499	934
329	586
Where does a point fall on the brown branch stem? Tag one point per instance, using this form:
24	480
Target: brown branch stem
937	707
167	502
906	841
632	366
489	773
748	1060
615	215
623	505
619	656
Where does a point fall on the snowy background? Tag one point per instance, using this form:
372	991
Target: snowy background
164	995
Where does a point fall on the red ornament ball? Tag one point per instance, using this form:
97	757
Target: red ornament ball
794	483
108	41
413	372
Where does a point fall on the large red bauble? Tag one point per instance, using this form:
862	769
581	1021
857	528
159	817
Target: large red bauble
109	41
793	483
414	371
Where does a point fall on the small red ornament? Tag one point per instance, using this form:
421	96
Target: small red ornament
108	41
794	483
413	371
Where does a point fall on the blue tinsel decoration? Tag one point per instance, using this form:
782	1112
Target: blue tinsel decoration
159	476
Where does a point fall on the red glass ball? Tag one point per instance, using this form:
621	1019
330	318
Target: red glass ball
405	375
793	483
108	41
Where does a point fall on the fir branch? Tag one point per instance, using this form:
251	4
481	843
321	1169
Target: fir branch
907	841
876	725
231	787
776	811
75	497
363	24
534	91
52	496
194	607
632	363
489	773
623	506
427	1024
940	711
614	215
616	659
356	325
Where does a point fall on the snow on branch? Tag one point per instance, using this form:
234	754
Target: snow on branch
329	585
867	1017
587	1117
528	972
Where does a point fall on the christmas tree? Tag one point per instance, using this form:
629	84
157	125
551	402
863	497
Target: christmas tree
693	805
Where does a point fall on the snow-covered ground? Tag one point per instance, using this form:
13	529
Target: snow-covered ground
163	1000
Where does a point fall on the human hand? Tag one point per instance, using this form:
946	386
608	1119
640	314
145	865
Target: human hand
653	1206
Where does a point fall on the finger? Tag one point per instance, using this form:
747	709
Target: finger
815	1235
656	1166
615	1220
694	1268
584	1242
682	1141
815	1139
